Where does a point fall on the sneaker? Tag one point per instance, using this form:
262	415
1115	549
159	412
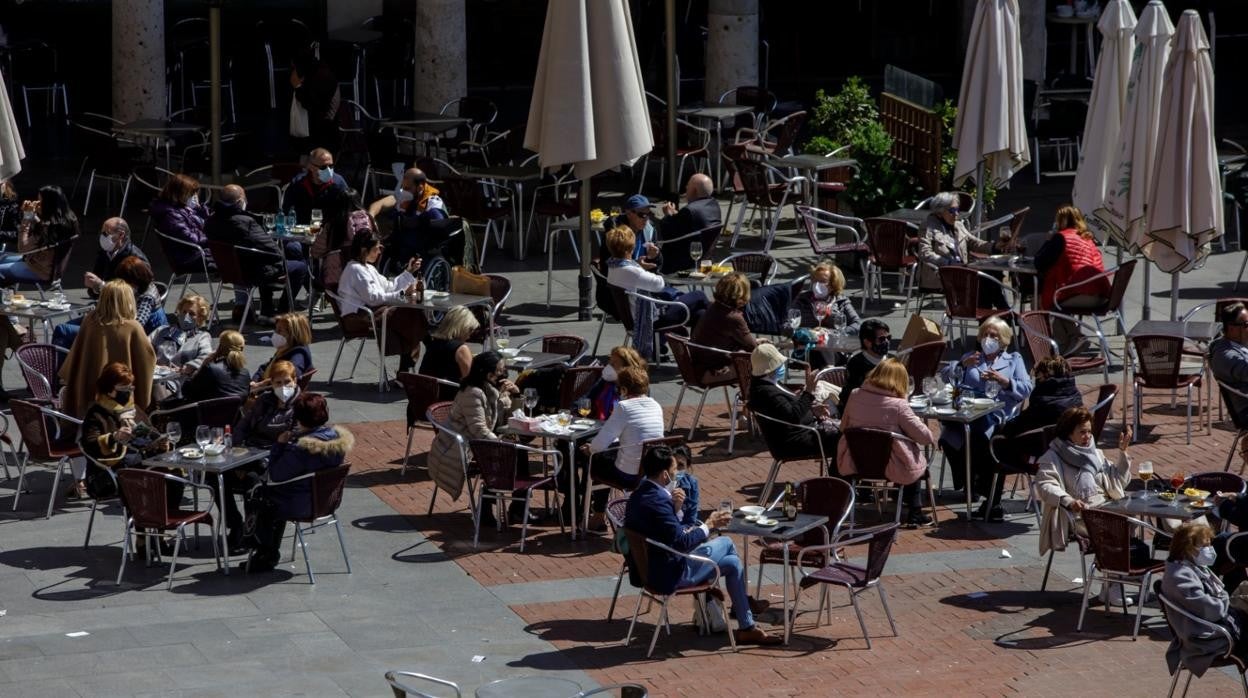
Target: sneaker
1111	595
756	636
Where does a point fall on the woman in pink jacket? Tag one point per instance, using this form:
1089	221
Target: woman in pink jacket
881	404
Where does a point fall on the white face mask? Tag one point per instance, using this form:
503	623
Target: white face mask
106	243
820	289
1206	556
278	340
286	392
671	485
242	205
608	373
990	345
193	201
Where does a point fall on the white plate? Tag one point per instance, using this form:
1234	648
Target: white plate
579	427
585	422
945	410
214	450
191	453
751	518
751	510
509	352
1205	505
983	402
766	523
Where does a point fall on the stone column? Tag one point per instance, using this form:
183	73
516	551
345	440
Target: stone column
731	46
138	59
441	53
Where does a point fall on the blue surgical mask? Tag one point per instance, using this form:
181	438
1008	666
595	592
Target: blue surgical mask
325	175
186	323
781	373
1206	556
990	345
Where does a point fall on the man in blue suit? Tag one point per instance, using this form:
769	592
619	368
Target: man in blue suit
652	512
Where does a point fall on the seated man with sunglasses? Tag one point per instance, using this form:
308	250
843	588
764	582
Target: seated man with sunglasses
945	241
1228	358
318	186
640	219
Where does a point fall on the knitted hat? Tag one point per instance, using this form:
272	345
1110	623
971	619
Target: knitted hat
765	359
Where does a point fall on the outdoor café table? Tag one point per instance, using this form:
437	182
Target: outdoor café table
425	122
715	114
1016	266
1200	331
783	532
306	238
513	177
434	301
693	279
212	465
569	460
526	359
156	133
811	165
530	687
965	418
45	313
1154	507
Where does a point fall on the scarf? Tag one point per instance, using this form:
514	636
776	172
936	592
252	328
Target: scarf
422	201
1086	461
643	318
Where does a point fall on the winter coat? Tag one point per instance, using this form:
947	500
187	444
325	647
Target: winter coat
805	302
184	223
1198	591
320	449
1055	477
95	347
260	424
940	246
475	414
873	406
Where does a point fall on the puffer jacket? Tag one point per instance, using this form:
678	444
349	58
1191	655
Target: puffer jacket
323	448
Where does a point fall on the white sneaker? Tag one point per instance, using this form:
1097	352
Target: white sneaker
1111	595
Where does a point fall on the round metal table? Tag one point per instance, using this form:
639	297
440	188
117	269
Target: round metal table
530	687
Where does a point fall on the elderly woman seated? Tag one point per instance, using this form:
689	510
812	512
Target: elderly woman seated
182	345
945	240
723	325
992	365
114	434
1073	475
1189	584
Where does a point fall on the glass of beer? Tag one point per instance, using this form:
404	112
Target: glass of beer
1145	472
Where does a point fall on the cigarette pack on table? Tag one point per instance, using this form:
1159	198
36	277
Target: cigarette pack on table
522	423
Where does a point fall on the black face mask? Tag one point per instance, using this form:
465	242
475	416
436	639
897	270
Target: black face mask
881	346
123	397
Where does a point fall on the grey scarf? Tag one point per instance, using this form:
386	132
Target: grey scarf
1083	459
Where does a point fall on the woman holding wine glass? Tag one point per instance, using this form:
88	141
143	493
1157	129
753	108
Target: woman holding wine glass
825	298
182	345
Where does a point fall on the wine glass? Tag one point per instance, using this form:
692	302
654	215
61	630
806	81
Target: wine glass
582	407
1176	481
501	337
174	431
203	436
217	437
1145	472
695	251
794	319
992	389
270	222
821	311
909	386
530	399
168	350
316	217
838	321
931	388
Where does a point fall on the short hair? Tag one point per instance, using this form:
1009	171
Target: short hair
1230	314
458	323
892	376
232	194
836	277
1052	366
116	303
733	290
682	453
310	409
317	152
1071	419
297	327
363	241
119	225
178	189
281	369
136	272
1069	216
869	327
232	348
633	381
656	460
628	356
1003	330
196	303
1188	538
943	201
113	375
620	242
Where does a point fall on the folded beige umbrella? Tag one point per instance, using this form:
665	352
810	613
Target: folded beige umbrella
11	152
1184	201
991	129
1121	214
1107	106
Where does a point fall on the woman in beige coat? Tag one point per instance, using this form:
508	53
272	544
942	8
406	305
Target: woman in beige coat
880	403
109	333
481	404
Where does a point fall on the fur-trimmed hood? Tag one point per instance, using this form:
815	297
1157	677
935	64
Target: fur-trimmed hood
329	440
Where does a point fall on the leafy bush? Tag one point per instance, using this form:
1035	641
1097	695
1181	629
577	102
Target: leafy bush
948	113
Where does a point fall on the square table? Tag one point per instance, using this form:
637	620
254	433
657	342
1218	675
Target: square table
1016	265
571	440
514	177
44	312
811	165
716	114
533	359
210	465
964	417
438	303
1154	507
783	532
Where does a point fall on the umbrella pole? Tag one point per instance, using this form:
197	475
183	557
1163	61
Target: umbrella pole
584	305
1174	296
1146	310
214	85
979	197
669	29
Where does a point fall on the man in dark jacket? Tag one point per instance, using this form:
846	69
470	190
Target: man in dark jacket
769	399
115	248
651	512
701	213
318	186
875	338
231	222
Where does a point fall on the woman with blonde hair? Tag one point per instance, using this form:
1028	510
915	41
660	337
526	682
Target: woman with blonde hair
881	403
827	289
224	372
447	355
723	324
109	334
182	345
292	341
1070	256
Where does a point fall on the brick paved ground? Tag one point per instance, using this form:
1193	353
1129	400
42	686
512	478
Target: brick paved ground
1012	639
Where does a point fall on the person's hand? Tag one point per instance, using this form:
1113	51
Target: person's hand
998	377
652	250
413	265
186	370
92	281
584	448
123	435
28	205
972	360
669	208
648	266
284	437
508	387
410	290
1124	440
719	519
1077	506
820	411
678	499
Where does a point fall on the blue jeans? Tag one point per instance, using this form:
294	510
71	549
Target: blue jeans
64	334
724	553
14	270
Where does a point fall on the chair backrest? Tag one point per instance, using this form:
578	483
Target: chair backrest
40	364
1104	406
1019	453
573	345
576	383
754	177
228	266
327	486
836	375
1122	278
889	241
219	411
1109	537
683	356
639	552
348	331
623	308
961	287
878	550
305	380
1038	330
422	392
741	366
825	496
497	461
923	360
786	130
61	256
1158	359
759	263
143	494
32	423
616	510
871	449
1217	481
465	197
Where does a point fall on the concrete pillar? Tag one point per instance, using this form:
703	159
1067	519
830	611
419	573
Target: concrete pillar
441	53
138	59
731	46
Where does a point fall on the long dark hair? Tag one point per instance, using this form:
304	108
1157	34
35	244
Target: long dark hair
361	243
483	367
54	208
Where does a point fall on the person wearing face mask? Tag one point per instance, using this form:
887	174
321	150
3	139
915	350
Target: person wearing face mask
182	346
651	512
318	186
1073	475
43	234
291	340
827	286
770	398
269	414
178	214
1189	584
946	241
876	340
993	363
232	223
1228	359
115	249
605	394
109	333
223	373
116	434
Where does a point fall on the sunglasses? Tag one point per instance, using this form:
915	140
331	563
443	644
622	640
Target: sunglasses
955	210
323	167
642	213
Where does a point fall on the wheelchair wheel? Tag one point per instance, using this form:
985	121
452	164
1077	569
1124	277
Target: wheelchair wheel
437	274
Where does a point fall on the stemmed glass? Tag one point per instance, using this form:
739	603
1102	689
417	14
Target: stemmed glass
582	407
174	431
821	311
530	399
168	350
695	252
1145	472
203	437
501	337
909	386
794	319
838	321
1176	481
270	222
931	388
992	389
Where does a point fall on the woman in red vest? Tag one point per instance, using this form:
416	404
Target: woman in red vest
1067	257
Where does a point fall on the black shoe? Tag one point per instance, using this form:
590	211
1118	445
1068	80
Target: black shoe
996	515
259	562
262	320
515	514
982	511
917	519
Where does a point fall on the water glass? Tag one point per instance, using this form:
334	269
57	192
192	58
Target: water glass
203	436
794	319
695	250
270	222
725	505
218	436
992	389
931	387
564	418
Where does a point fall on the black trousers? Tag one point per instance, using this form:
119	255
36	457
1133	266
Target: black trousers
983	466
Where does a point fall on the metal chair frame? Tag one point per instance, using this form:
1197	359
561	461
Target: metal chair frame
1107	576
179	534
818	220
376	337
777	462
465	459
692	380
658	304
316	523
1241	430
402	690
1043	346
411	429
507	495
186	276
1226	659
1139	386
49	436
858	537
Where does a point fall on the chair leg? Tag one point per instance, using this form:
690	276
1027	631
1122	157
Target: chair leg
619	580
337	356
125	547
633	622
697	415
1174	682
90	522
658	626
1087	590
407	452
853	598
1139	606
307	563
56	485
524	525
887	611
671	424
432	497
342	543
177	545
21	478
1047	566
